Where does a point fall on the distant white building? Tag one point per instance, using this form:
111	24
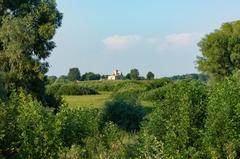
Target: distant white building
116	75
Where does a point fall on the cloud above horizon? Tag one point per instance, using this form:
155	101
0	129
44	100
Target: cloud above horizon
117	42
123	42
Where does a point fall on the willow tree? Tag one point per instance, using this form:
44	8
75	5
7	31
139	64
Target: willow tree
27	28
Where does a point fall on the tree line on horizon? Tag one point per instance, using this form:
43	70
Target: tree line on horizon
75	75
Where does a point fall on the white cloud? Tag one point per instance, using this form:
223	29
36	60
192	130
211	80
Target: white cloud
183	39
172	41
118	42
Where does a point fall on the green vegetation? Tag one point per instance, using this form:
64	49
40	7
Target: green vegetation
26	32
169	118
150	76
74	74
220	51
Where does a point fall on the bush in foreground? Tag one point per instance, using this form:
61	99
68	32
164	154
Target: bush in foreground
178	120
77	124
221	138
125	111
29	129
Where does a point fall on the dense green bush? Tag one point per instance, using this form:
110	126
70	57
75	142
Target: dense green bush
148	147
125	111
29	129
77	124
156	90
75	89
178	120
10	135
53	89
153	84
223	120
3	91
155	95
70	89
130	89
39	135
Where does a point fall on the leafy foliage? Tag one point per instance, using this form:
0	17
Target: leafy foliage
74	74
70	89
124	111
222	123
29	130
74	89
27	30
91	76
178	119
134	74
77	125
150	76
220	51
3	91
51	79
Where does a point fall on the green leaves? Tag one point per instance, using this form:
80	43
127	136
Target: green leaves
220	52
222	123
26	32
74	74
179	118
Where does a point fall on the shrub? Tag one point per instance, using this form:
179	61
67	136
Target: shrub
74	89
10	135
30	130
53	89
39	131
75	152
107	144
77	124
124	111
130	89
158	83
149	147
223	120
155	95
3	91
178	120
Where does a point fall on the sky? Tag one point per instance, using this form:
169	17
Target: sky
151	35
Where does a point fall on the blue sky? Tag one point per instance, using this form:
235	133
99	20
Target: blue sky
151	35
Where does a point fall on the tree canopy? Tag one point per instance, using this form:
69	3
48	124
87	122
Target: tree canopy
74	74
150	76
221	51
27	28
134	74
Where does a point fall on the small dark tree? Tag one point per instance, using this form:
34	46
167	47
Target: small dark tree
150	76
134	74
128	76
74	74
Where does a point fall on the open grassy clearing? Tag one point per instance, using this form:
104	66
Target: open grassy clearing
91	101
94	101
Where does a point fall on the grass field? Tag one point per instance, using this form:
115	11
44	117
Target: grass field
91	101
94	101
